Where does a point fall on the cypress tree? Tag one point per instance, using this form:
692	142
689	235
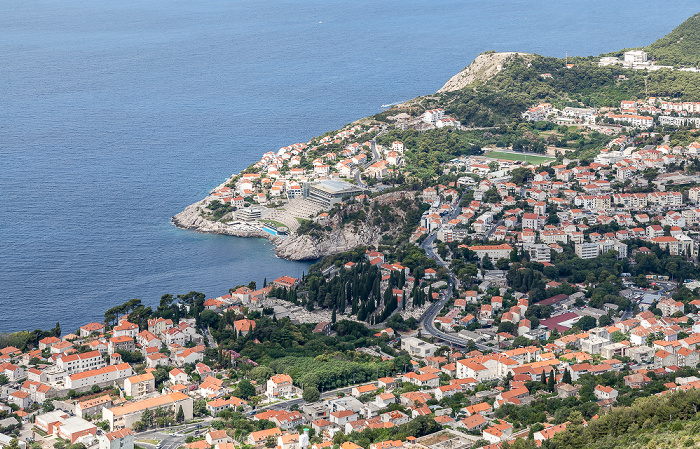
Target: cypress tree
550	382
566	378
180	415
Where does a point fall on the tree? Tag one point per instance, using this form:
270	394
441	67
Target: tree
147	418
566	378
506	326
3	379
618	336
502	264
261	374
209	318
604	321
48	406
486	263
550	381
180	417
311	394
587	323
199	407
245	389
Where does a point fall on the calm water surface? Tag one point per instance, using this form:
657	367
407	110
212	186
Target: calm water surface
116	115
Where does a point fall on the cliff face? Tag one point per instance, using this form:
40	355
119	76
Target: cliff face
306	247
346	236
485	66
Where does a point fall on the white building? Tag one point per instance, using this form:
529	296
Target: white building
119	439
417	347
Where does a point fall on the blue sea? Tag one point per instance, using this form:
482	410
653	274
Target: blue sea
115	115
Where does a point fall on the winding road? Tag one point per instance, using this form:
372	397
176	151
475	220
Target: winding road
428	317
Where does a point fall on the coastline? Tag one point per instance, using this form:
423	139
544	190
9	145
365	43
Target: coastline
190	219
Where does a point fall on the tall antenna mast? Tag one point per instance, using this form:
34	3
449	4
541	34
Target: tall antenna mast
567	59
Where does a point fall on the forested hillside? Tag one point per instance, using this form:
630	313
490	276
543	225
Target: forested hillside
520	84
681	47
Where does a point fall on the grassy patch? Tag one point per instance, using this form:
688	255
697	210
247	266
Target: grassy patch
276	224
148	441
519	157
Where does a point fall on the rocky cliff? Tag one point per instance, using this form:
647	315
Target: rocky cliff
307	247
485	66
344	235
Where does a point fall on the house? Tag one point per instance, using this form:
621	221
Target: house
386	382
121	343
566	390
498	432
474	423
101	376
389	444
141	385
279	385
324	327
342	417
260	437
156	359
215	437
243	327
211	387
92	328
288	441
604	392
21	398
286	282
45	343
549	432
125	329
13	372
177	376
219	405
637	380
92	407
363	389
119	439
417	347
383	400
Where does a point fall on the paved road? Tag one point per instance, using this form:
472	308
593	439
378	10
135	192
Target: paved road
171	438
300	401
492	230
428	317
375	156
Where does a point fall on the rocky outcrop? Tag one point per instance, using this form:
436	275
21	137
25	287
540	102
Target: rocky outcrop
344	237
485	66
191	218
306	247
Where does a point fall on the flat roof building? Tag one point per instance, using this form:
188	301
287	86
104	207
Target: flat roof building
329	193
126	415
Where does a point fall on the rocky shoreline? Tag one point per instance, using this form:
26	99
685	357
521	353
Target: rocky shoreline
295	247
191	219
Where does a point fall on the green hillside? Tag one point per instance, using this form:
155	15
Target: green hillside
681	47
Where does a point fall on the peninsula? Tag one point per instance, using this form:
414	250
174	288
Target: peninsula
361	185
509	263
